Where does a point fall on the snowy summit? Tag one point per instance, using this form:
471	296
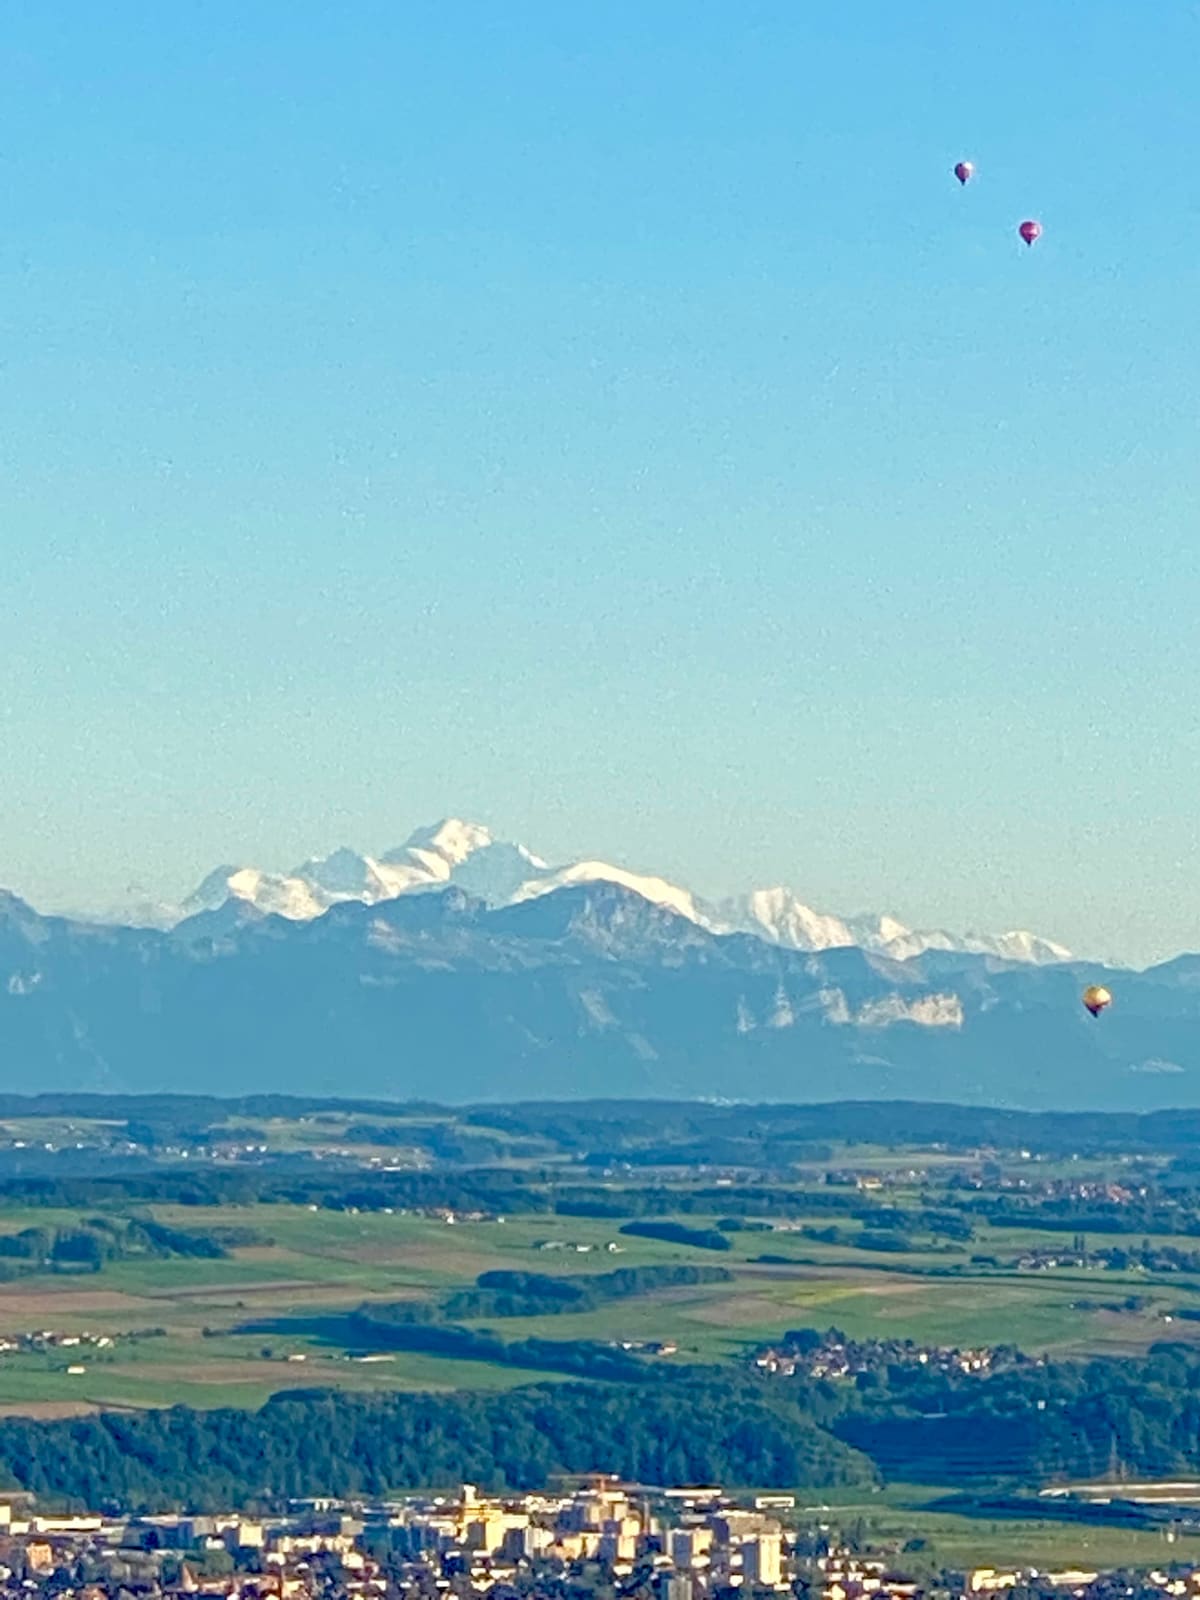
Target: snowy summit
500	873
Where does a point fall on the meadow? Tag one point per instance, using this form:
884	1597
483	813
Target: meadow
911	1517
275	1315
317	1235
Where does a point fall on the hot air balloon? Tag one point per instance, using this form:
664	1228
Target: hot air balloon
1096	998
964	171
1030	231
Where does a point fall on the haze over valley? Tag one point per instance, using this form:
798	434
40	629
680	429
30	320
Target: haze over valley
462	967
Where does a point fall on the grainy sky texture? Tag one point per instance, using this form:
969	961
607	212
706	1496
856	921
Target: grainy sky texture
612	422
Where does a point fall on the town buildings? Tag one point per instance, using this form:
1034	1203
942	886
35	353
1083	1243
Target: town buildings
590	1537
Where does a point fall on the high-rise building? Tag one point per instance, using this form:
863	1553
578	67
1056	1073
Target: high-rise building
730	1525
486	1532
619	1539
762	1560
688	1547
528	1541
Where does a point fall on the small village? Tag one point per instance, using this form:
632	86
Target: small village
806	1354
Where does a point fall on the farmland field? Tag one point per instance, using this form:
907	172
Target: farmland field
274	1315
902	1514
188	1254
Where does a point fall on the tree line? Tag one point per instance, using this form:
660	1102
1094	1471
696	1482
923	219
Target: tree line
1028	1424
306	1443
90	1244
666	1132
539	1294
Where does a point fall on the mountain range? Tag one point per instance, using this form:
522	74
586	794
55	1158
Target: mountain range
466	856
575	983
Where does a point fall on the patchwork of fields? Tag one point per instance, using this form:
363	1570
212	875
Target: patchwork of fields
275	1315
195	1255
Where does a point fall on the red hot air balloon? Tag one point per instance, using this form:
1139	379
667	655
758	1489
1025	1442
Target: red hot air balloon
1030	231
964	171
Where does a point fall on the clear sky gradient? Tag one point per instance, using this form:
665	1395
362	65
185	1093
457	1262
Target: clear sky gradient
614	423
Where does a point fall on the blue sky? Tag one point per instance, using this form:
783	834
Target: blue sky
612	422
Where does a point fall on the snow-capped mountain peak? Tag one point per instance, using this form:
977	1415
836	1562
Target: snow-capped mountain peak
451	840
467	856
1020	945
656	890
285	896
344	872
887	929
780	917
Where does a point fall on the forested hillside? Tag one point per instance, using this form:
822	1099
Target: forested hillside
1028	1424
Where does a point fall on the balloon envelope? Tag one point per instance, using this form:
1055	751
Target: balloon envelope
1030	231
964	171
1095	998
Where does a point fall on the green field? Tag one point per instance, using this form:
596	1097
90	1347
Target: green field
229	1325
894	1516
183	1322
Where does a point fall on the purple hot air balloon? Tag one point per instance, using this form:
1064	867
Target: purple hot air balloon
1030	231
964	171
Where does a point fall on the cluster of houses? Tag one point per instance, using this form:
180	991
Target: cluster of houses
75	1346
834	1355
48	1339
1095	1191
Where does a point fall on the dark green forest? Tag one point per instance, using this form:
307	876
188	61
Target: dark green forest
306	1443
538	1294
1026	1425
